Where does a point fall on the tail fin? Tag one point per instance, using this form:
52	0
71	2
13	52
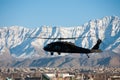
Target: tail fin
96	46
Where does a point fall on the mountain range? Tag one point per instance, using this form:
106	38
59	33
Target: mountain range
23	47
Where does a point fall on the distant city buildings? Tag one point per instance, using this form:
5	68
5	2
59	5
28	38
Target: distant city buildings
46	73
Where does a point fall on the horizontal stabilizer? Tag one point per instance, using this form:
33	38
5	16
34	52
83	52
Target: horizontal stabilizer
96	51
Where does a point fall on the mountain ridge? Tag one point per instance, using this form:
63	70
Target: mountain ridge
22	43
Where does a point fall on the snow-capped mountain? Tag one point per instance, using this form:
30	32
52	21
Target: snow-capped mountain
21	42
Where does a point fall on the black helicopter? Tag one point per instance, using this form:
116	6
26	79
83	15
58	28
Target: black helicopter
68	47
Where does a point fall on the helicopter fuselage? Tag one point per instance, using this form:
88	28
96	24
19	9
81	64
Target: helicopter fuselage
65	47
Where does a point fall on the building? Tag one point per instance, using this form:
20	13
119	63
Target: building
33	78
114	78
58	76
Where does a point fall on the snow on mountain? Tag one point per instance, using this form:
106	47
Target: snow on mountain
22	42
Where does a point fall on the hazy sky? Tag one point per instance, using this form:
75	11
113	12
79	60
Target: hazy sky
35	13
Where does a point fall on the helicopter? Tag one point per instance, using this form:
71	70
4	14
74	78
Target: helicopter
69	47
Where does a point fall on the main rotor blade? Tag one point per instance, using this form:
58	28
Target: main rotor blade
61	37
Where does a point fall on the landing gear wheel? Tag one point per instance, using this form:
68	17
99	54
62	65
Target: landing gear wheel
51	53
59	53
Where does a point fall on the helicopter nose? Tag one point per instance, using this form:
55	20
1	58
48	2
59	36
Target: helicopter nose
45	48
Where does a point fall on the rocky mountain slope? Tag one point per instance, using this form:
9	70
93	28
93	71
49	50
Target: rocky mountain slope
19	46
